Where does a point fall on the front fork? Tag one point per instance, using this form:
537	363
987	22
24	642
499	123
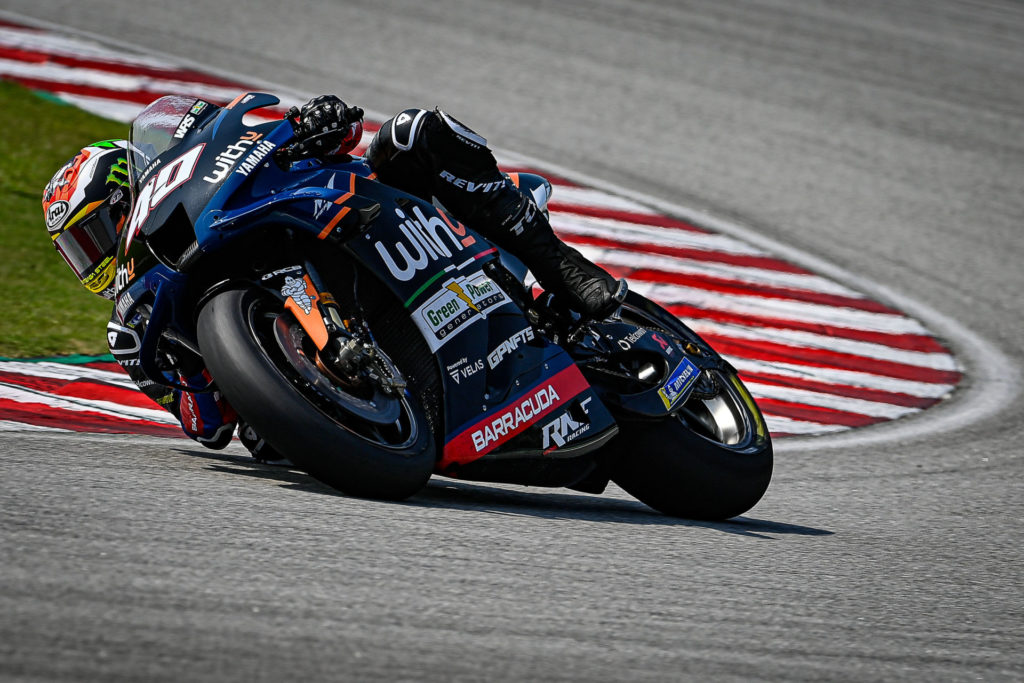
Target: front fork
345	349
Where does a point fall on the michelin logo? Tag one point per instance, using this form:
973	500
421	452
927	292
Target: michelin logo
679	383
296	289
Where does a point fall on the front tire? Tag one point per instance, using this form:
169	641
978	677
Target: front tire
301	420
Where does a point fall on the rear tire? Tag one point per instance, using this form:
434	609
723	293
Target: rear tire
298	420
692	480
684	466
712	458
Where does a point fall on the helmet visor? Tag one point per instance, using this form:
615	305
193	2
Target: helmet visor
87	243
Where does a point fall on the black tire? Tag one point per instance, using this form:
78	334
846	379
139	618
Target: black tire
301	422
683	466
712	459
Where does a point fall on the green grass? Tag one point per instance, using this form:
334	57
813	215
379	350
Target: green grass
44	310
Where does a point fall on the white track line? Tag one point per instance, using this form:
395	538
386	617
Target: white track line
784	309
849	378
745	275
810	340
118	410
66	371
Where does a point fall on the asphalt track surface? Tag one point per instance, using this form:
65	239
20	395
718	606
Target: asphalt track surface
885	138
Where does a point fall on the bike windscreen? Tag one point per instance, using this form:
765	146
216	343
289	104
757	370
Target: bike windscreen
153	130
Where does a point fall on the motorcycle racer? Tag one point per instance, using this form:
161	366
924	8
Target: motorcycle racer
426	153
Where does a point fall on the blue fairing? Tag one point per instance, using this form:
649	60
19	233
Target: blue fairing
219	182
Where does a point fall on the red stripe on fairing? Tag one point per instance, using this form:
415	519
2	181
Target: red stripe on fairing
567	384
844	390
626	216
799	411
907	342
823	358
42	415
748	260
117	67
80	388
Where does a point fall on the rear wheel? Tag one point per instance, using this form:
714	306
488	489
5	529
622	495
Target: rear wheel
358	438
712	458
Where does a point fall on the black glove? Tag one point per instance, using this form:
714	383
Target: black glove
323	126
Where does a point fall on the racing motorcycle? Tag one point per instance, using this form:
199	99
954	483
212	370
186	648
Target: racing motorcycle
374	340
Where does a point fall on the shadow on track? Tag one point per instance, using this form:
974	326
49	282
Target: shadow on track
531	501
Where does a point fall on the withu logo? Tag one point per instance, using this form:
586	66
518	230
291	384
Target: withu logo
427	239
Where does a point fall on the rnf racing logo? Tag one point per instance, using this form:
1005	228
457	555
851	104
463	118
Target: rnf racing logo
565	427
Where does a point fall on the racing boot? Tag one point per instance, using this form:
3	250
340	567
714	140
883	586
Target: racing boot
514	222
205	417
258	448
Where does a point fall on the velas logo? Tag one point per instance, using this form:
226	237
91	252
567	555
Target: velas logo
463	368
461	301
427	239
172	176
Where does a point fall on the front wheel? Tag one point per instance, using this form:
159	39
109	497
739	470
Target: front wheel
372	445
712	459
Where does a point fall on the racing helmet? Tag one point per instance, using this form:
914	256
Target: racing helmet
85	205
